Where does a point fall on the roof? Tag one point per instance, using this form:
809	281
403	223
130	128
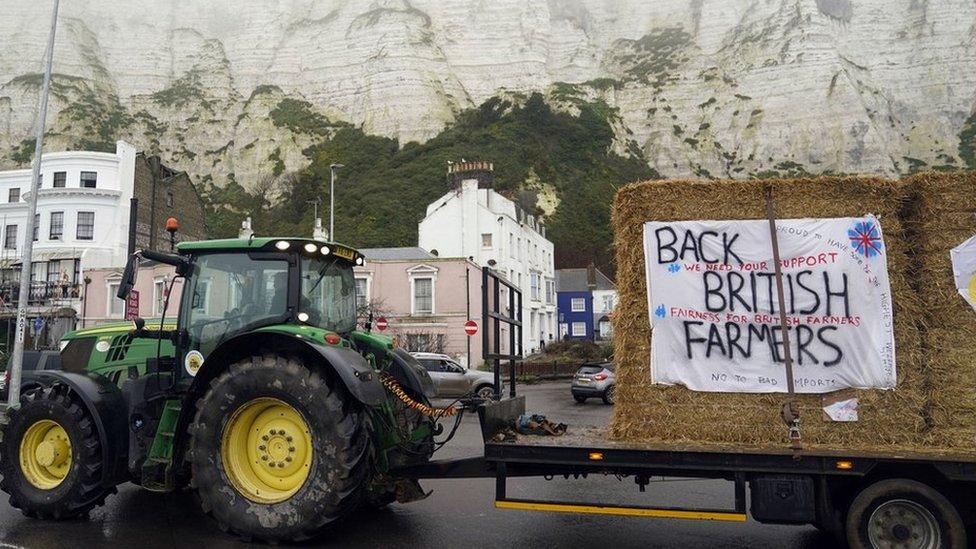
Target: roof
272	243
574	280
406	253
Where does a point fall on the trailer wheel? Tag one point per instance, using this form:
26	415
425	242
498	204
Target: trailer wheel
276	451
51	457
904	513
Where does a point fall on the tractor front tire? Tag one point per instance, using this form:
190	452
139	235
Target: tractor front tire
278	451
51	459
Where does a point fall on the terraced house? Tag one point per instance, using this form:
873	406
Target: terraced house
89	206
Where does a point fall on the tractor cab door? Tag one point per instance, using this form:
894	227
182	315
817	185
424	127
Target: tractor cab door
231	293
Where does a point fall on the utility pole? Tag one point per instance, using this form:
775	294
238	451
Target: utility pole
332	170
17	360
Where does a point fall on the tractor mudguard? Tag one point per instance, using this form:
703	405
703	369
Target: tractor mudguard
103	401
355	372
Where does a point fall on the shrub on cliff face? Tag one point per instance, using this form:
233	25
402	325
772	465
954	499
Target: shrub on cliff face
383	191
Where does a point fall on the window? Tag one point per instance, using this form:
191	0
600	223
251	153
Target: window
608	303
518	248
423	296
511	245
37	226
116	307
36	272
579	329
60	178
362	293
10	237
550	291
169	199
13	195
89	180
86	226
606	330
159	295
486	240
57	225
577	305
53	271
534	286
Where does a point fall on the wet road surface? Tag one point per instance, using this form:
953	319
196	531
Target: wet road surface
459	513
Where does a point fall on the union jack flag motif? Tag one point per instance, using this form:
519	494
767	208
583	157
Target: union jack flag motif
865	238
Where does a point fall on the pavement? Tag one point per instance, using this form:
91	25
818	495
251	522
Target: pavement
459	513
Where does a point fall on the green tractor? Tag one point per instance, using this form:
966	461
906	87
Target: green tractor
263	397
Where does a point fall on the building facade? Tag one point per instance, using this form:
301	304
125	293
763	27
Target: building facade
425	299
586	300
83	221
473	221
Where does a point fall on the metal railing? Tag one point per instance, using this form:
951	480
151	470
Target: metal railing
41	293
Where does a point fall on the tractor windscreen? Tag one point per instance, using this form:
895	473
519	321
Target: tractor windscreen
328	293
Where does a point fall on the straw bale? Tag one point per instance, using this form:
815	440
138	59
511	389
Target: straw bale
645	411
944	216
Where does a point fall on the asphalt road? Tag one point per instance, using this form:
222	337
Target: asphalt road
459	513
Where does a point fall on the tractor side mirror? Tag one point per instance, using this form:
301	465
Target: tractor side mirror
128	277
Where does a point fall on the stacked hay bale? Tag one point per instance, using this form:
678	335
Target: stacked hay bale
943	216
644	411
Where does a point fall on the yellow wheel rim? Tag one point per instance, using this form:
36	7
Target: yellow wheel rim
45	454
266	450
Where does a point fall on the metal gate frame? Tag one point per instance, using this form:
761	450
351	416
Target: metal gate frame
492	319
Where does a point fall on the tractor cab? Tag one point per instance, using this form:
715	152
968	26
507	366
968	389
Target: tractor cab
237	286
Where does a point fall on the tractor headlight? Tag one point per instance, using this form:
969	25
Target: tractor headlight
311	248
282	245
325	250
303	317
359	261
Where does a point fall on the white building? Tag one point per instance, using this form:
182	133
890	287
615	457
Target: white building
82	212
474	221
82	223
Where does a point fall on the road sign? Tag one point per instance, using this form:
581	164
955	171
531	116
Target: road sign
38	324
470	327
132	305
381	324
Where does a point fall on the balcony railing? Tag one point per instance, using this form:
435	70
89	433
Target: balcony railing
40	294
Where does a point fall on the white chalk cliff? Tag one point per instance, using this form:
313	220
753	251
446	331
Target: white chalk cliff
228	89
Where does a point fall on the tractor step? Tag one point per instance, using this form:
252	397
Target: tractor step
157	471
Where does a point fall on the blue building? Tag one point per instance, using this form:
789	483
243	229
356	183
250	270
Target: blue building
585	299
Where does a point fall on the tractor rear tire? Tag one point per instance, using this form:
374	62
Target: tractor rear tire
335	450
51	458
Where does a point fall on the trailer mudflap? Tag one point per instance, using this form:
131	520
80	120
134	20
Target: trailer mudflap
783	499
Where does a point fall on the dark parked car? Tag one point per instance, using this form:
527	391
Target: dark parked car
594	380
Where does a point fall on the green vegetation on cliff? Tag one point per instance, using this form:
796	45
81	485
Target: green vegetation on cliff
383	191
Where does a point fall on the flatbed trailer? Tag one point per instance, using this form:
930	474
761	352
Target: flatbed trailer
880	498
865	498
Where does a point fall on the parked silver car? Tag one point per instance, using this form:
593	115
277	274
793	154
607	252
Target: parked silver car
594	380
453	380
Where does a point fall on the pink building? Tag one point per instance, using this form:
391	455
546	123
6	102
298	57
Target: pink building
100	304
425	299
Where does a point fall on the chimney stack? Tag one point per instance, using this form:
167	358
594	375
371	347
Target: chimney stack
591	276
483	172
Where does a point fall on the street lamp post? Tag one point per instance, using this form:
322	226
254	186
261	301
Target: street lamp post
332	170
17	359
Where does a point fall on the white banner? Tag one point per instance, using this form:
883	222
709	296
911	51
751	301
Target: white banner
715	315
964	269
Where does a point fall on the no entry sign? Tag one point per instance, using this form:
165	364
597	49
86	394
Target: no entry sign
470	327
381	323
